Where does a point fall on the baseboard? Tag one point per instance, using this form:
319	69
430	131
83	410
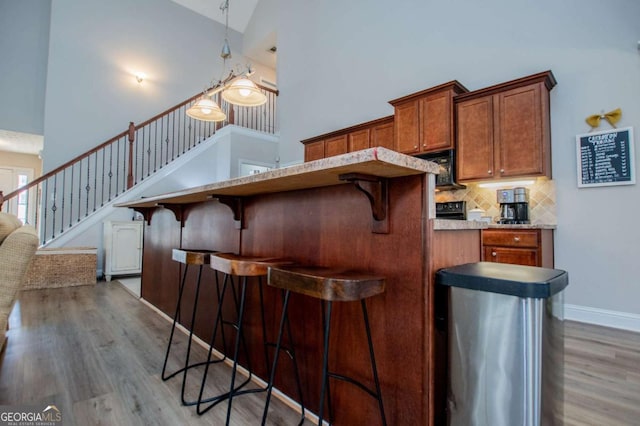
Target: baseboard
604	317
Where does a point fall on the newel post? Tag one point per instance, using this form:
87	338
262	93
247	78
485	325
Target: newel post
1	200
232	115
132	138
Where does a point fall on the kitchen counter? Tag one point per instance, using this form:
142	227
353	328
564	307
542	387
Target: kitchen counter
451	225
368	210
525	226
379	162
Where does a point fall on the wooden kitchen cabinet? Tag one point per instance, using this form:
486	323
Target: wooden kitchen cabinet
381	133
503	131
358	140
335	146
424	120
355	138
531	247
314	150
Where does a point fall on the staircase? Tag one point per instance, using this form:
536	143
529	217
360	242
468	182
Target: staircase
65	197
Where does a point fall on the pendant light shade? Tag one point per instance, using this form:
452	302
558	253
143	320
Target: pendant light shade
206	110
244	92
236	88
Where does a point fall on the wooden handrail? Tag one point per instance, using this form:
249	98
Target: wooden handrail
129	132
64	166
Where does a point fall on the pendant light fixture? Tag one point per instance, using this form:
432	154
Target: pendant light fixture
236	88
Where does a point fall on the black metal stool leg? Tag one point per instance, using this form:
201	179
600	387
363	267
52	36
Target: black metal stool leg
193	322
325	361
239	337
173	328
265	343
276	355
378	395
292	354
218	322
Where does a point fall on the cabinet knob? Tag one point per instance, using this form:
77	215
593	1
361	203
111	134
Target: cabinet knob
415	147
516	239
501	170
489	171
494	254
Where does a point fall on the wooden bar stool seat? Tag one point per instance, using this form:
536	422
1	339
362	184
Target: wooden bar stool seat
329	285
244	267
188	258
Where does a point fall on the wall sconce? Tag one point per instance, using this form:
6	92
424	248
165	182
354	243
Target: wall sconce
139	77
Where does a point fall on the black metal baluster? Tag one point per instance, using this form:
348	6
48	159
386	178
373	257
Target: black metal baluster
102	175
155	145
148	151
71	198
95	181
166	141
88	187
46	201
124	185
53	207
111	167
62	201
79	191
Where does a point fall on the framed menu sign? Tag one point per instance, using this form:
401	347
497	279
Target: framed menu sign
606	158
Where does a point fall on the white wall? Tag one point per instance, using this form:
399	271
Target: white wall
24	43
95	49
340	62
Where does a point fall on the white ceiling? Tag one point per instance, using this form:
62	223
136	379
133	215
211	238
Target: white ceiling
240	11
23	143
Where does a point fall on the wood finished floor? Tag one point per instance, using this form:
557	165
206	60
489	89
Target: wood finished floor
96	353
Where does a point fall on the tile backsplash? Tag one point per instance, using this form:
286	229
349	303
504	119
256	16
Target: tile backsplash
542	200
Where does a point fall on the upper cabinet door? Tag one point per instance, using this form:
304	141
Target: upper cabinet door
436	132
335	146
475	153
504	130
382	135
358	140
406	127
314	151
519	132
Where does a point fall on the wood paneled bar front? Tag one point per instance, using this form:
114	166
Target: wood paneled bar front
368	210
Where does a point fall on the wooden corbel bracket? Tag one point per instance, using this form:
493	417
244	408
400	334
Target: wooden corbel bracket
146	212
178	211
237	207
377	191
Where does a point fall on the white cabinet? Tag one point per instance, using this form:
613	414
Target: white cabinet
122	248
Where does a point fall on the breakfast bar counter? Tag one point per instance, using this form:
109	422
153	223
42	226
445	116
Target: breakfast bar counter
369	210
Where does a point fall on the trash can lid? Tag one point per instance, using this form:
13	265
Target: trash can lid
514	280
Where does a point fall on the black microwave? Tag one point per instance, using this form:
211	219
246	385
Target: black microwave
446	180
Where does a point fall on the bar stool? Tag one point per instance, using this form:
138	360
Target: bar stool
328	285
244	267
188	258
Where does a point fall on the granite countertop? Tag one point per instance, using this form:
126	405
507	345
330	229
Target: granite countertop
527	226
380	162
452	225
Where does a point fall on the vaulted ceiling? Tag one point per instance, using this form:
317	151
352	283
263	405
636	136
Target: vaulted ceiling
240	11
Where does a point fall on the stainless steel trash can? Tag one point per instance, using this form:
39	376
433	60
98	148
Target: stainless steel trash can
506	344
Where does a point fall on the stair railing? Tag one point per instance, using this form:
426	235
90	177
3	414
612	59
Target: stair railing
71	192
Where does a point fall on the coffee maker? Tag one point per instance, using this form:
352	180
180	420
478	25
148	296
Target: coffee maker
514	205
